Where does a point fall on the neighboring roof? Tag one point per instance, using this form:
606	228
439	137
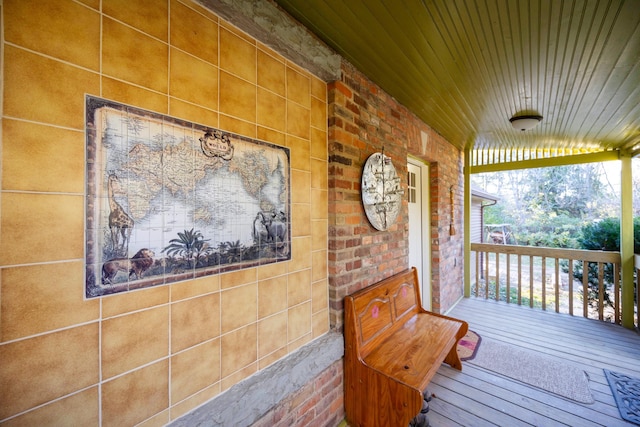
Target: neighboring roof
476	192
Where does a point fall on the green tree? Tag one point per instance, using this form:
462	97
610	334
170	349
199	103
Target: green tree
568	190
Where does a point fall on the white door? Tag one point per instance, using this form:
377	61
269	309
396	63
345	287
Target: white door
419	226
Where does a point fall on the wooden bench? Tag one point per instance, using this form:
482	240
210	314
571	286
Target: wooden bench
393	347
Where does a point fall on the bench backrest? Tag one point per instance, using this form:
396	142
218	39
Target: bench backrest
378	310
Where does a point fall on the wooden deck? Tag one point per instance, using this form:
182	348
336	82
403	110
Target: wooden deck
478	397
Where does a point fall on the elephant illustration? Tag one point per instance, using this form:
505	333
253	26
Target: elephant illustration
272	228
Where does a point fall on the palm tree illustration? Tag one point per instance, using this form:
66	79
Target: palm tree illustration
189	245
235	251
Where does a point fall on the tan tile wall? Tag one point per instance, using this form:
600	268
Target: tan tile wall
152	355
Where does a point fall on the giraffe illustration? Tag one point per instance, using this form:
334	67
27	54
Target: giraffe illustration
120	223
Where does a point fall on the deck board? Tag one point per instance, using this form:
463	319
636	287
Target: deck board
478	397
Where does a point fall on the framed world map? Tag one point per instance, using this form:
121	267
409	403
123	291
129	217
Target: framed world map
169	200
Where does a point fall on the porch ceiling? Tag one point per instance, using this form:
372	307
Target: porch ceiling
466	66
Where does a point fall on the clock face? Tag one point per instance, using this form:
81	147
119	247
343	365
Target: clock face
381	191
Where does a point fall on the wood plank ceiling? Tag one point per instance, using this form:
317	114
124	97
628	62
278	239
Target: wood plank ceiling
466	66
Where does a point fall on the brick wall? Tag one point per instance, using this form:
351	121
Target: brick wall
318	403
363	120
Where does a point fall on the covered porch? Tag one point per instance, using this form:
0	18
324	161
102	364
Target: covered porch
474	72
479	397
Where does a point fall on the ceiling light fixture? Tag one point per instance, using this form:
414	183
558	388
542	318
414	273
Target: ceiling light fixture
525	122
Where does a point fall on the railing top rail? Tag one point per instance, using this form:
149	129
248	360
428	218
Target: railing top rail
576	254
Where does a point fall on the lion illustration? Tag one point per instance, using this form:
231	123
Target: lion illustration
135	265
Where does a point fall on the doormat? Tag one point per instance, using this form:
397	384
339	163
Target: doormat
468	346
626	392
536	369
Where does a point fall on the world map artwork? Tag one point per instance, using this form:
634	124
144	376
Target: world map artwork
169	200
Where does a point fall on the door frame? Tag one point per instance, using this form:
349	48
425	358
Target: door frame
424	270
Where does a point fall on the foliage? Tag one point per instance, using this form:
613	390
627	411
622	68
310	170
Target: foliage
564	190
604	235
550	230
498	214
601	235
546	239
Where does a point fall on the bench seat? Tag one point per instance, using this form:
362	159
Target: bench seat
413	354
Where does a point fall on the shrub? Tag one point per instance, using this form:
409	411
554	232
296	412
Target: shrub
541	238
604	235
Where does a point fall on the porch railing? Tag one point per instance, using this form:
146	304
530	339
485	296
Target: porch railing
543	277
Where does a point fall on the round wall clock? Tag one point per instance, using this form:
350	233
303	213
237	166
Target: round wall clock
381	191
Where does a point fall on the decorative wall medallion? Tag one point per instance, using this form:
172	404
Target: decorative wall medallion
168	200
381	191
217	144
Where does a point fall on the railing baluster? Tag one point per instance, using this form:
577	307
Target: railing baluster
570	279
497	276
531	281
556	285
486	276
508	279
519	279
544	283
478	255
585	289
600	291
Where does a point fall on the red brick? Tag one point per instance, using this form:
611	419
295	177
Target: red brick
301	395
341	183
309	405
352	128
340	87
353	219
306	419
